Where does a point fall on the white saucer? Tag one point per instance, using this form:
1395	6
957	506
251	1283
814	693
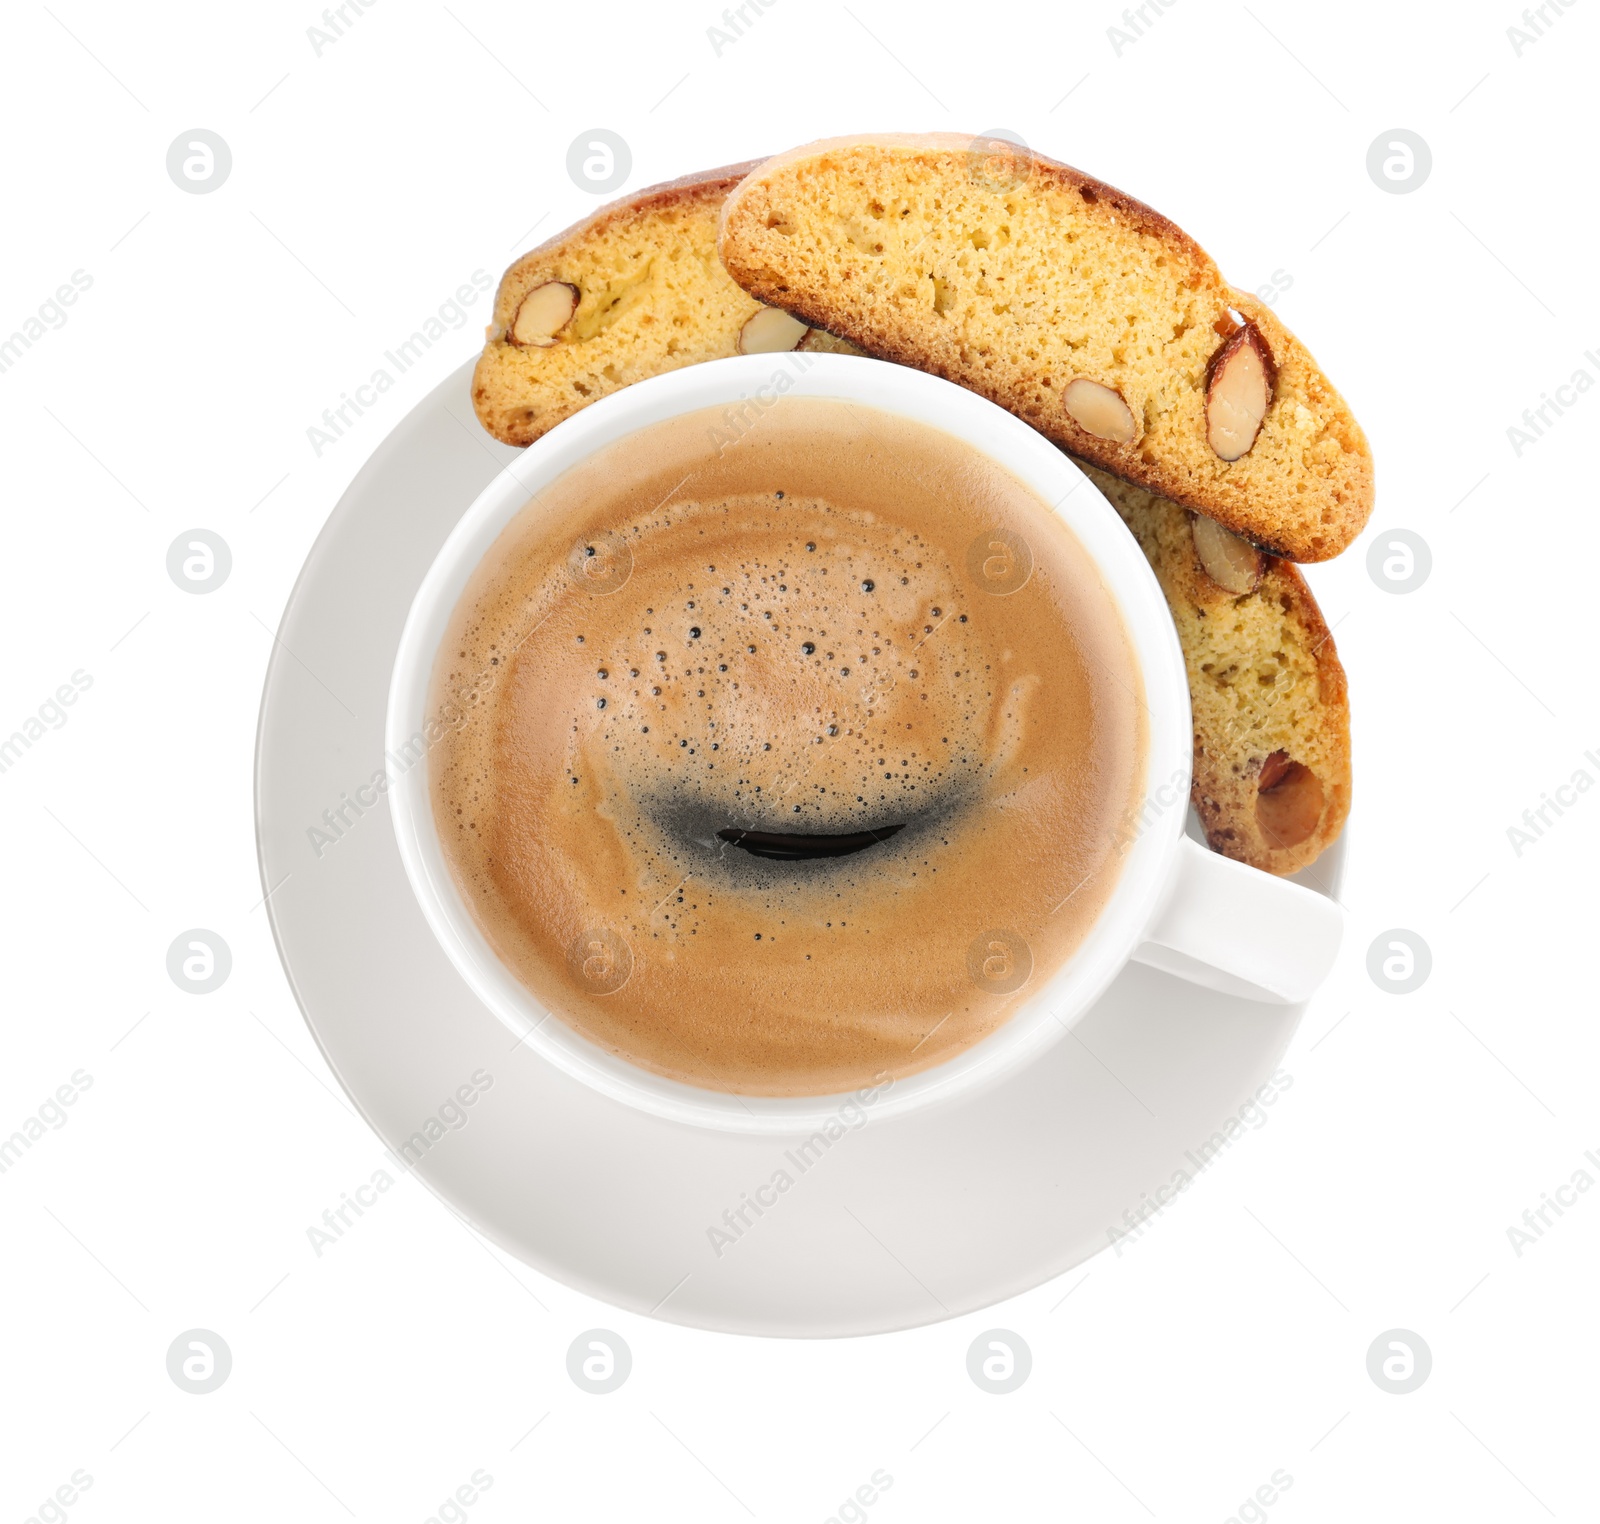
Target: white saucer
896	1223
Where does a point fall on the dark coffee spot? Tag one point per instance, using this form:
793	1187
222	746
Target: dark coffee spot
786	846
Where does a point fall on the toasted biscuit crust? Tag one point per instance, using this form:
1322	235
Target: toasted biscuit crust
1264	680
653	297
1018	282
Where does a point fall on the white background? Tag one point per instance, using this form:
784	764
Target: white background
1228	1344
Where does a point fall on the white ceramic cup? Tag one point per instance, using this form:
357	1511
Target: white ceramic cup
1175	906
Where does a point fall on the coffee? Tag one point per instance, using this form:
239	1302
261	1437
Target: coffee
786	762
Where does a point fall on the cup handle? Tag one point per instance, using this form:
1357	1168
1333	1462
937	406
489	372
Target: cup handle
1236	929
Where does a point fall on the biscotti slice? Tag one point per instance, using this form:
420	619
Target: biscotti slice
1081	310
1271	710
635	290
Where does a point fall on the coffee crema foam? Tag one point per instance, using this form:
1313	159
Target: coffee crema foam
701	664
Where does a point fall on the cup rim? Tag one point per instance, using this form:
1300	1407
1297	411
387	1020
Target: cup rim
1150	860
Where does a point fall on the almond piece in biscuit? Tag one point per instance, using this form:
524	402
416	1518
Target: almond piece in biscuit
1099	410
1232	563
770	331
1238	392
544	312
1289	800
